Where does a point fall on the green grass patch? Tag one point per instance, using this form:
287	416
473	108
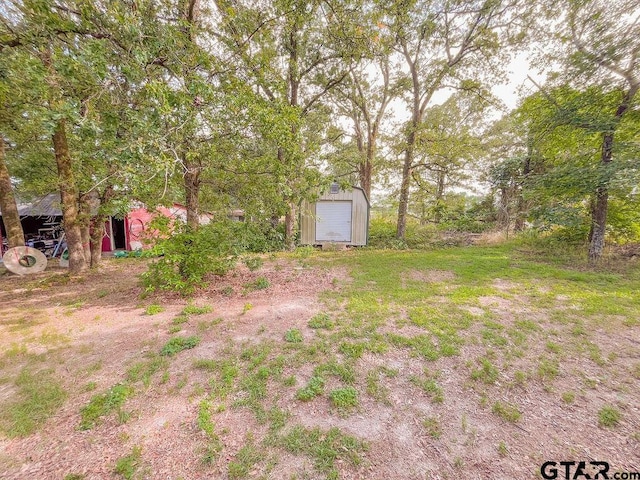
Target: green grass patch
506	411
432	426
314	388
548	369
323	447
342	371
374	388
321	321
128	466
103	404
196	310
609	416
145	370
39	395
244	461
293	335
259	283
153	309
178	344
430	387
486	373
180	319
344	399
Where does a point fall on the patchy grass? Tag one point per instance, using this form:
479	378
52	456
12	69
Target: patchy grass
344	399
323	447
153	309
178	344
506	411
244	460
103	404
293	335
609	416
525	325
128	466
314	388
39	395
321	321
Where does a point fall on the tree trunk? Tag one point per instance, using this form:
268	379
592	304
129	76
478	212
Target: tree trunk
503	209
598	225
599	212
10	215
68	196
192	191
403	205
601	206
84	219
290	226
522	205
366	167
439	196
97	232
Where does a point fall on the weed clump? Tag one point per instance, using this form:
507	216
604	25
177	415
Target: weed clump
177	344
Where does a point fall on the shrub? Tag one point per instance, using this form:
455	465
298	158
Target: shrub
189	255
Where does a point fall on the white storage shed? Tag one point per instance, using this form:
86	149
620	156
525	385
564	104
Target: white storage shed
338	216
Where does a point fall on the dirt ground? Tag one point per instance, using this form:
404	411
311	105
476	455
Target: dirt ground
90	331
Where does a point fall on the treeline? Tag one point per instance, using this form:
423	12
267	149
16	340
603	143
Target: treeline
255	104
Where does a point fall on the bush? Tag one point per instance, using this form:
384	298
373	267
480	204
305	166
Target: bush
188	256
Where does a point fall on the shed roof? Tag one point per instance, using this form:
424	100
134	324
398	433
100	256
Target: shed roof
45	206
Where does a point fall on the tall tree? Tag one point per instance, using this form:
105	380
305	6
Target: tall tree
600	46
8	207
443	44
293	52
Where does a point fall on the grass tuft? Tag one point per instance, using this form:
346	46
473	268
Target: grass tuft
128	465
103	404
178	344
609	416
506	411
39	396
293	335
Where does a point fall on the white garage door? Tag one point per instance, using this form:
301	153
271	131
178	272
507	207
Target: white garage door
333	221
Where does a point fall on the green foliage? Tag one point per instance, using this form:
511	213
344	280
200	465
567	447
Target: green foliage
128	465
430	387
609	416
324	447
244	461
487	373
178	344
196	310
253	263
321	320
39	395
293	335
259	283
144	371
189	256
382	234
506	411
153	309
344	398
314	388
103	404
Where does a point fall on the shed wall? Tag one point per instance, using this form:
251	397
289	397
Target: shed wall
359	217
